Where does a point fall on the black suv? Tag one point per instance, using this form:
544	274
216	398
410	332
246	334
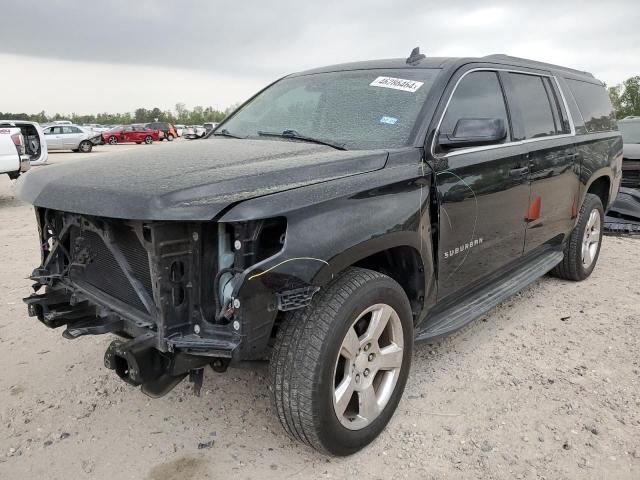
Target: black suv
336	218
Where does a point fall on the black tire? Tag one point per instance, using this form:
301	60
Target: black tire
85	146
305	356
138	143
572	267
148	139
113	141
169	138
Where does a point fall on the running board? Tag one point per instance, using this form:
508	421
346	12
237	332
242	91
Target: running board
458	315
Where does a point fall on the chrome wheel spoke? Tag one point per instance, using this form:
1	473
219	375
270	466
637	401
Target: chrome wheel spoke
368	404
591	239
390	357
343	394
350	345
377	324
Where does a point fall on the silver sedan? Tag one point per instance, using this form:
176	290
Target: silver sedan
71	137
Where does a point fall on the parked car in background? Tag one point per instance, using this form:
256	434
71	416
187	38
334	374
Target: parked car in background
71	137
179	130
130	134
165	127
194	132
630	129
13	162
209	126
62	122
35	144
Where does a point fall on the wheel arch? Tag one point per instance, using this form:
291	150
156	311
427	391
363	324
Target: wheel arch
601	187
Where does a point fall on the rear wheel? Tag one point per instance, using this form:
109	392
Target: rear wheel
583	246
339	366
148	139
85	146
113	140
170	138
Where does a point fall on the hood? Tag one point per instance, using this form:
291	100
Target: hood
190	181
631	151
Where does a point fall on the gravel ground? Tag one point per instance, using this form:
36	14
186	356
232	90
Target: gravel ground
544	386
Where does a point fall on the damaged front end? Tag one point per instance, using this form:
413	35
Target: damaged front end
176	292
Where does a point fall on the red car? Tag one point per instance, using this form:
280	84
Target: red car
130	133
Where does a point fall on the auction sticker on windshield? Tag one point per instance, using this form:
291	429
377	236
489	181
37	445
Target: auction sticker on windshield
397	84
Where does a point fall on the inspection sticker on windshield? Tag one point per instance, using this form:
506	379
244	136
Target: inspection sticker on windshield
389	120
397	84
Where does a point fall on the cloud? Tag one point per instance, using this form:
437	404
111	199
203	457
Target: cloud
251	42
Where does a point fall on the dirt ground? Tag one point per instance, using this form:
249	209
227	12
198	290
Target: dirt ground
547	385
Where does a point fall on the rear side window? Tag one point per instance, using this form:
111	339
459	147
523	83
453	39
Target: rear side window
536	107
478	95
594	105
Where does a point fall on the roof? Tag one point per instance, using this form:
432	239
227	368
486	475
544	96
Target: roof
442	62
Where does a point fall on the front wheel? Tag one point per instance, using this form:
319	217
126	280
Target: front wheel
339	366
148	139
113	140
583	246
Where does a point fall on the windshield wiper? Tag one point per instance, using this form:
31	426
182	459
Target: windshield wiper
295	135
226	133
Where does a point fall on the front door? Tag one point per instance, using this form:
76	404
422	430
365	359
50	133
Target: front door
53	135
483	192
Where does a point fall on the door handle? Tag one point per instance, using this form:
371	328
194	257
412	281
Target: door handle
517	172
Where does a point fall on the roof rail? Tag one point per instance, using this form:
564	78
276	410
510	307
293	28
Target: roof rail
503	57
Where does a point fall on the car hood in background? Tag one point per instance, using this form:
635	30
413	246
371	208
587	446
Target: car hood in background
631	151
192	181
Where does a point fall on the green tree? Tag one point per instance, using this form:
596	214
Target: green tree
626	97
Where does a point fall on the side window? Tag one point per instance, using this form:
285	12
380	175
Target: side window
48	131
594	105
478	95
530	94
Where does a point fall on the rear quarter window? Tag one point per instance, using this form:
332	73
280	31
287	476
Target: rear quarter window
594	105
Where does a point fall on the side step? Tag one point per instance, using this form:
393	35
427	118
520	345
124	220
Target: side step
478	303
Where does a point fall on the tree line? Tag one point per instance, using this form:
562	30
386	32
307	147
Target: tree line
181	115
625	97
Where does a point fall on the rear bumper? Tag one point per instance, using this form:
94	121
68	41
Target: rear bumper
25	163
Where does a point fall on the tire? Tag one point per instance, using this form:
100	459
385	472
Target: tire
579	261
308	368
85	146
113	141
170	138
148	139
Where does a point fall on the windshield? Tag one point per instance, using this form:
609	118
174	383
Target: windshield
360	109
630	131
116	129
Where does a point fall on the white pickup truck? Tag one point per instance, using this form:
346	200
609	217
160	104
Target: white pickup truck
13	160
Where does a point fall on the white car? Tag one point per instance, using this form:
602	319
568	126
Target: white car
13	161
194	132
71	137
35	144
179	129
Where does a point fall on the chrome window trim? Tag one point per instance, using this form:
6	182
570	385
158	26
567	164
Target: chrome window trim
507	144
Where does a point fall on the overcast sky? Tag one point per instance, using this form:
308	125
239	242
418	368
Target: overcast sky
116	55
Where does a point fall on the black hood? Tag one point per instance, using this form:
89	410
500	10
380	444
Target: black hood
188	181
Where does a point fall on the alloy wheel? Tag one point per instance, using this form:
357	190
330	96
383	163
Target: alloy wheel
368	366
591	239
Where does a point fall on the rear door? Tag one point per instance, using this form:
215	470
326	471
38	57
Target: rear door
71	137
483	191
541	122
